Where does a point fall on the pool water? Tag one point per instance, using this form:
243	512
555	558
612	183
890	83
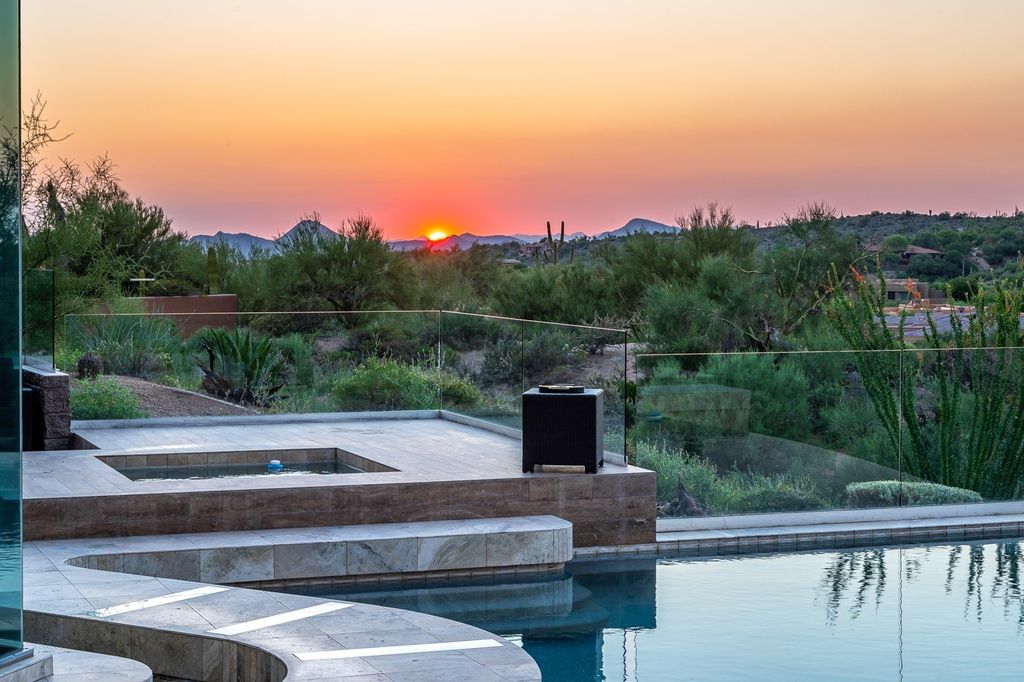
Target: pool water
926	612
199	471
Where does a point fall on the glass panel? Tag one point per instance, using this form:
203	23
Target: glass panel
10	335
482	365
204	364
749	433
38	319
589	356
965	442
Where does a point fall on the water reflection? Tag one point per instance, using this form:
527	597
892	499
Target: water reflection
981	575
912	613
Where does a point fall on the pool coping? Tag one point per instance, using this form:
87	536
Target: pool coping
847	535
79	596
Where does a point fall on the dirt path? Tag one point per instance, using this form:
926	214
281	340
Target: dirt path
163	401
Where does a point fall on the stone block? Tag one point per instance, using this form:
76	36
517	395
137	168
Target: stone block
173	564
236	564
452	552
168	654
99	636
518	548
319	560
57	425
382	556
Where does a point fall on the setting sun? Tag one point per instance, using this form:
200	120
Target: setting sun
436	235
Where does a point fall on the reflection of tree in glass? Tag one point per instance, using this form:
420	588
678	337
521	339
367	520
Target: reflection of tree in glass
861	577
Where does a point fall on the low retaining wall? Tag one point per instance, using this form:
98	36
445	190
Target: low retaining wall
192	313
604	510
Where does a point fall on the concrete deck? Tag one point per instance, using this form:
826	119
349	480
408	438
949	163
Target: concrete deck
443	470
77	666
194	631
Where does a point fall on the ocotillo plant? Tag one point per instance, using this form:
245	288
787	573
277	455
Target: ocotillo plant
952	405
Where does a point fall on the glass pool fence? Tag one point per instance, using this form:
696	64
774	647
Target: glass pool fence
746	433
314	362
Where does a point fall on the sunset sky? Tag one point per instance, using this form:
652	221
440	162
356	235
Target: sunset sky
491	116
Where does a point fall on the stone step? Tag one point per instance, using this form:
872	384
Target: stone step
37	666
56	664
308	553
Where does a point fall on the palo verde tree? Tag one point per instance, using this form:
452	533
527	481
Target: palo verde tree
951	406
352	269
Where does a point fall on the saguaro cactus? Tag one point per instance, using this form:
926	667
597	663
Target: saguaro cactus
555	247
212	271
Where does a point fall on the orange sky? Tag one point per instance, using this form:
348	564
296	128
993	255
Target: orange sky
494	116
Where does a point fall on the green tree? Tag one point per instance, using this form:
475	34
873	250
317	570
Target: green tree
799	270
892	248
353	269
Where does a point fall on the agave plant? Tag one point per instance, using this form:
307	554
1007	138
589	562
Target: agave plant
240	366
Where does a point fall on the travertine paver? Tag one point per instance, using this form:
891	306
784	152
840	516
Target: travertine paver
439	470
108	612
478	545
420	449
75	666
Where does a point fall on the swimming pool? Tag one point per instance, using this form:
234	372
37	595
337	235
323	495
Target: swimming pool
925	612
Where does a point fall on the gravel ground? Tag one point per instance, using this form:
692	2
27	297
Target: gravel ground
163	401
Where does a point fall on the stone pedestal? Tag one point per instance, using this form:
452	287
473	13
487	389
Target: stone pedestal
28	666
52	418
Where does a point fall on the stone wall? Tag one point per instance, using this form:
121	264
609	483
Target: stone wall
617	509
192	313
51	417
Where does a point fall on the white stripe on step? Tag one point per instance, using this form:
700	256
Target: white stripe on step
280	618
156	601
395	650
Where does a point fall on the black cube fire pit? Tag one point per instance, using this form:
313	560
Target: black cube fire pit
563	425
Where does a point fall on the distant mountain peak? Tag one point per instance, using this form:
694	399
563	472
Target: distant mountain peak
304	228
637	225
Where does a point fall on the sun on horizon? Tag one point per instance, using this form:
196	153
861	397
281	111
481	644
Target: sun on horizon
436	235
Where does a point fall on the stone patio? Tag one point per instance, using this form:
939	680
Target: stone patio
132	597
443	470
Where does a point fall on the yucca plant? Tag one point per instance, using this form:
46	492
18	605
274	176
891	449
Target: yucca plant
240	366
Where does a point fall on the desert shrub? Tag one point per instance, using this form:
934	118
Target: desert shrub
65	358
852	427
675	466
129	345
466	332
297	353
240	366
282	324
104	398
503	361
911	493
459	392
778	391
729	493
408	337
546	355
386	384
754	494
173	287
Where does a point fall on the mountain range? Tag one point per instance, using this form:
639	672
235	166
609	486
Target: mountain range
247	244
